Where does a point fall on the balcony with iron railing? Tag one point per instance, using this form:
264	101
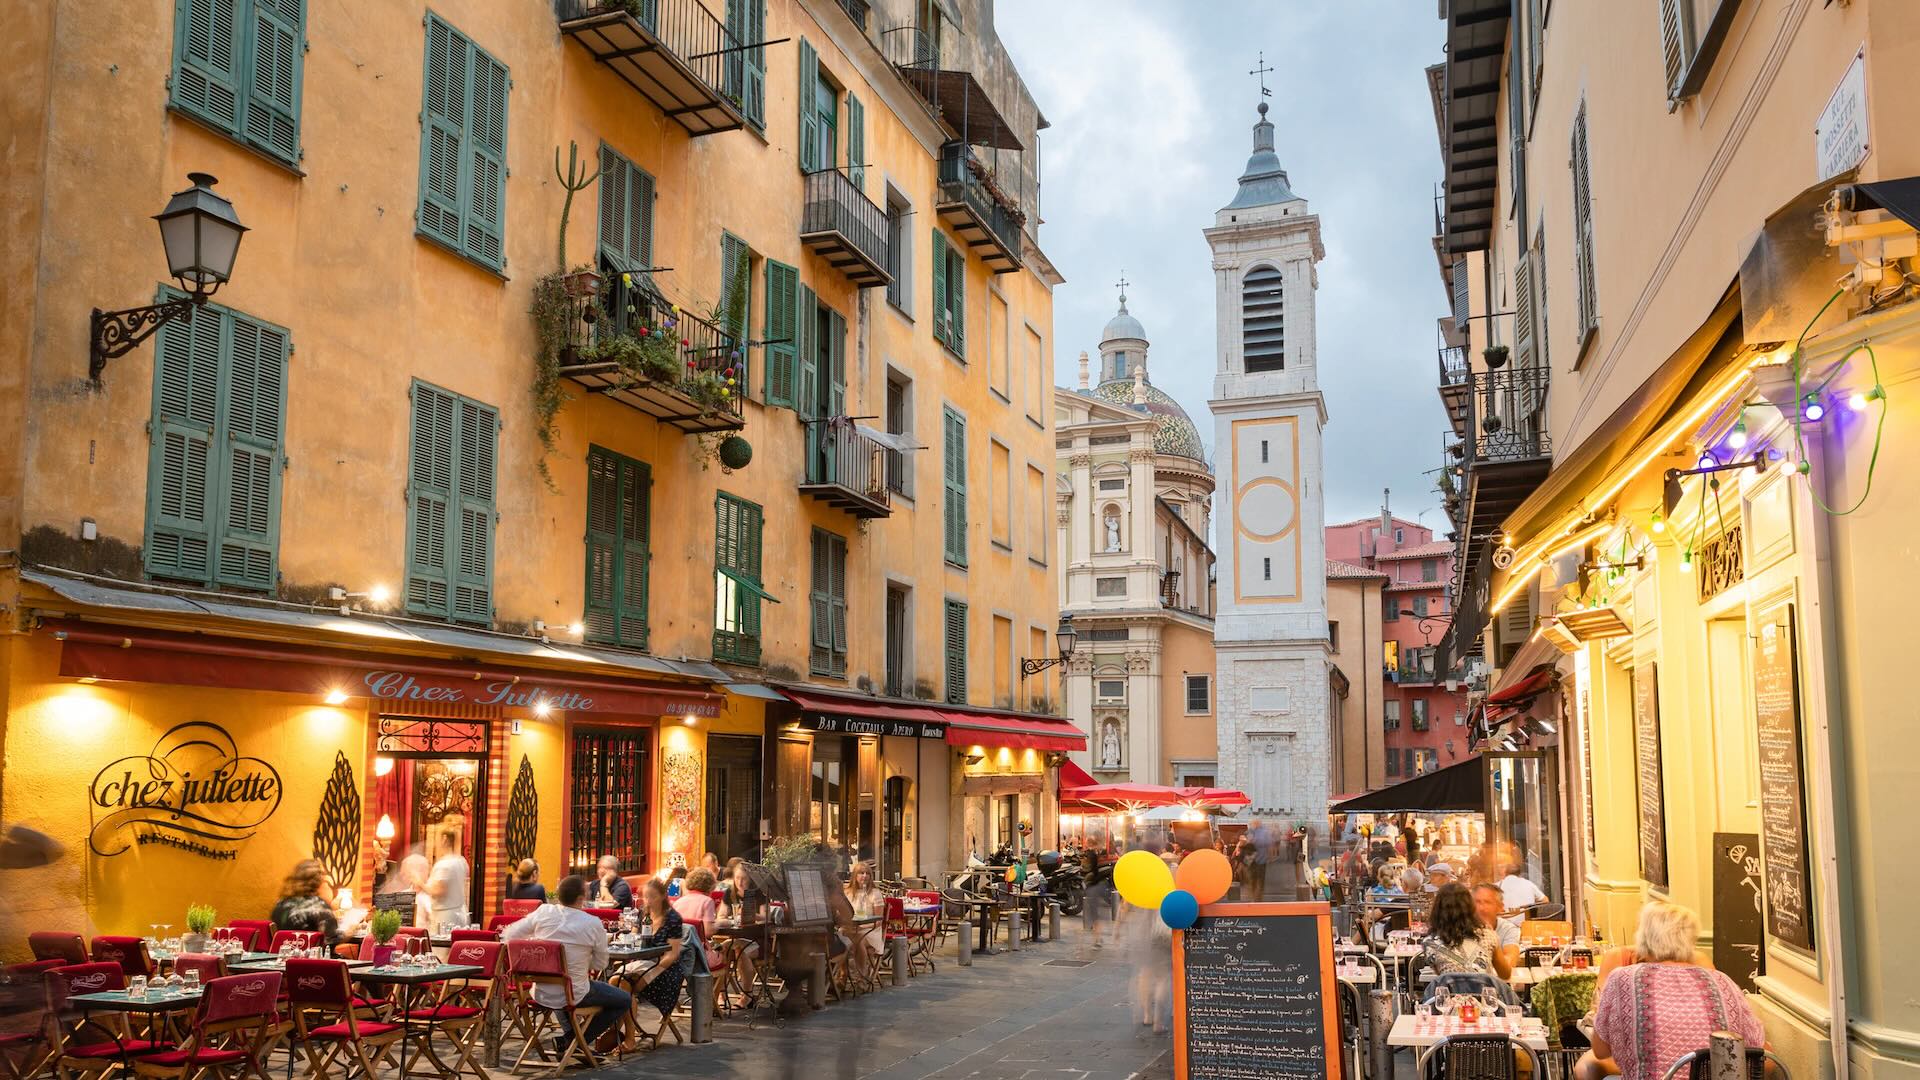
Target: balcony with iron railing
844	227
1456	383
1508	449
675	53
952	95
627	343
977	210
846	469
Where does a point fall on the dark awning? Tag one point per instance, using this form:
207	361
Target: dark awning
1458	788
1901	198
964	106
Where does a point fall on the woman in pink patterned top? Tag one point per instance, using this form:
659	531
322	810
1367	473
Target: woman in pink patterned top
1652	1012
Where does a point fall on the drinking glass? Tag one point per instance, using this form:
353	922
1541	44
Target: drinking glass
175	981
1424	1009
192	980
153	938
1490	1000
1442	996
137	987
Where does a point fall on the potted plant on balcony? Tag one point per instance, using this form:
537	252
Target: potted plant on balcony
1495	356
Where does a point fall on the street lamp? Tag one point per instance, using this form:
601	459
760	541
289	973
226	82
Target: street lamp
201	236
1426	623
1064	639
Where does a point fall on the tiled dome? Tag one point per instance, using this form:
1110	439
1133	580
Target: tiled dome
1174	432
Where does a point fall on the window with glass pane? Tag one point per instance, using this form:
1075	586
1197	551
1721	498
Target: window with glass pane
607	801
1419	707
1392	722
827	806
1429	570
736	580
1197	693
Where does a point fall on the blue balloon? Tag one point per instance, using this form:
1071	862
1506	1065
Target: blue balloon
1179	909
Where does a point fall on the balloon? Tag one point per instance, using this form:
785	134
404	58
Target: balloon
1143	880
1179	909
1206	874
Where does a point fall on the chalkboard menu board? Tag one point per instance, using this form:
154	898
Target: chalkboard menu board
401	902
1646	761
1254	994
1737	948
1783	815
807	895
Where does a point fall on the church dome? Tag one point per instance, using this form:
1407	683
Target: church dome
1122	325
1173	431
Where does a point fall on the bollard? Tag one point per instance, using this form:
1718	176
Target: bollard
1053	922
966	944
1727	1053
700	990
1013	927
1379	1022
902	960
817	986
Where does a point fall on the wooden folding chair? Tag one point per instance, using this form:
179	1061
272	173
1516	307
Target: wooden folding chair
327	1021
541	963
460	1013
230	1033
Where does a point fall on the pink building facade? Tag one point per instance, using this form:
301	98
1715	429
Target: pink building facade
1424	709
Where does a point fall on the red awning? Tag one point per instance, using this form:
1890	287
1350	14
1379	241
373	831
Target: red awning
1129	796
1535	683
877	710
1073	776
1019	732
97	651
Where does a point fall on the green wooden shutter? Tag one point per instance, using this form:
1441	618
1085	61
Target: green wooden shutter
820	609
956	642
751	523
443	124
181	478
248	541
736	275
486	217
782	332
809	115
955	432
940	307
206	60
429	502
273	102
856	142
613	209
836	364
635	550
807	349
957	300
603	546
837	594
479	430
755	105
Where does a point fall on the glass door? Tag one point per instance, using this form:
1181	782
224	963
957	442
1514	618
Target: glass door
1523	792
733	797
428	795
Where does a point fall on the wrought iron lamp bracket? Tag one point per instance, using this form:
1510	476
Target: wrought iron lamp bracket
1034	667
116	333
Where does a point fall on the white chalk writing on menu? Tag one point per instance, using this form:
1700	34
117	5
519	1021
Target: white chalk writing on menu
1647	770
1252	993
1783	823
807	894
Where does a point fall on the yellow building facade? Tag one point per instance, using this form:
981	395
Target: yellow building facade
1682	321
407	503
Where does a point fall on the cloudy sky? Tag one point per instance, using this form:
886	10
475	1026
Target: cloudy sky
1152	112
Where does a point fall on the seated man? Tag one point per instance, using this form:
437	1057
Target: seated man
585	938
1486	904
608	888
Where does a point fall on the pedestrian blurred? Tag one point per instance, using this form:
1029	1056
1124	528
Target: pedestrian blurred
1258	837
1100	898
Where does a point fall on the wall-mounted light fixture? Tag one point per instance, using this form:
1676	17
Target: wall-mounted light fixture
201	236
1065	637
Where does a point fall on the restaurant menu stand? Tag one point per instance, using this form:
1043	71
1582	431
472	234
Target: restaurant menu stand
1253	994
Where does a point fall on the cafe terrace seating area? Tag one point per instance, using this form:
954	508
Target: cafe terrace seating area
254	1000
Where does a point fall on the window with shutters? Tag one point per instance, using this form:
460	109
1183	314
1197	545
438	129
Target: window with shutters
899	422
950	295
1517	129
237	66
1419	713
1585	303
450	506
1534	391
618	556
819	99
829	605
1692	33
736	579
625	248
1523	312
1391	718
955	430
899	251
746	70
214	470
956	648
1390	608
736	299
463	147
1536	48
781	330
1263	320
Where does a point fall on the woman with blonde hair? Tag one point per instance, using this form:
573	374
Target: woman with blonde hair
868	901
1664	1005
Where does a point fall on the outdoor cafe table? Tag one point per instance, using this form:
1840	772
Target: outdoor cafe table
1357	974
1421	1032
273	962
155	1004
983	919
754	933
407	977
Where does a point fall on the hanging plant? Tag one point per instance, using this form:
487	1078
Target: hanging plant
1495	356
553	311
735	452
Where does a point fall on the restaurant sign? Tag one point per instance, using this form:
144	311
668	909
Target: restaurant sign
193	791
1720	565
857	725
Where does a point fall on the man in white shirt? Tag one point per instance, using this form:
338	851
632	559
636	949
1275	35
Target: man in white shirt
1518	892
585	939
1486	904
447	883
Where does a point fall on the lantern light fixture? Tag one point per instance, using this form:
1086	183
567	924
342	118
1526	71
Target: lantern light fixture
1065	637
200	234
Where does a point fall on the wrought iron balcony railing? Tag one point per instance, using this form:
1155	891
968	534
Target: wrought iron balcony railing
977	210
847	469
674	52
1507	415
1454	369
675	367
845	227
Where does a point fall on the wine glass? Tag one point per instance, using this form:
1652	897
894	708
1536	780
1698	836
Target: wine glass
1442	999
1490	1001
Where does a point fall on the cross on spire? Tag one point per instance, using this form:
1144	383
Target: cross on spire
1261	69
1122	286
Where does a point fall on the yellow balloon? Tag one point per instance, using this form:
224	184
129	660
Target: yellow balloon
1143	879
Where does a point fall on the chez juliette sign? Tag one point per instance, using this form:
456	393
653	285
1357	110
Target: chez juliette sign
194	791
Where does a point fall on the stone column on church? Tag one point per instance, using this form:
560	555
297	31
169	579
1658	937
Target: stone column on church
1140	483
1080	526
1079	704
1143	717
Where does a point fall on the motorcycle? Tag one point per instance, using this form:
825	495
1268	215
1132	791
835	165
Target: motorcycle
1064	881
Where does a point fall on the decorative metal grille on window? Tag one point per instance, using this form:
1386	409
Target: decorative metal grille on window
408	734
607	805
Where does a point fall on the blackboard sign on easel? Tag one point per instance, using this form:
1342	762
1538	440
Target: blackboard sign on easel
1253	994
1783	801
1737	946
1649	779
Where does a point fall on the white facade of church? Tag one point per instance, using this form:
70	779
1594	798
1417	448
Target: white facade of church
1274	700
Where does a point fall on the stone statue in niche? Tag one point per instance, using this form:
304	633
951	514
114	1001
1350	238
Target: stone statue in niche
1110	744
1113	531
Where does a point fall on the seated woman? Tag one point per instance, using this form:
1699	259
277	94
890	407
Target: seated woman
741	896
867	901
302	907
1651	1012
1459	942
526	882
660	984
1386	883
697	906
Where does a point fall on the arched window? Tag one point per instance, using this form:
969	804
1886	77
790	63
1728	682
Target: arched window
1263	320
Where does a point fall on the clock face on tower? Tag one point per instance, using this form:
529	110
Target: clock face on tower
1266	510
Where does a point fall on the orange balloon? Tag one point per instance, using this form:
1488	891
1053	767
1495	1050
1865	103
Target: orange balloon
1206	874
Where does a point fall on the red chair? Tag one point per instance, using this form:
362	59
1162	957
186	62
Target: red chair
129	952
93	1044
520	908
462	1006
607	915
500	922
28	1046
917	931
209	966
299	939
58	945
318	989
469	933
539	963
262	931
231	1031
